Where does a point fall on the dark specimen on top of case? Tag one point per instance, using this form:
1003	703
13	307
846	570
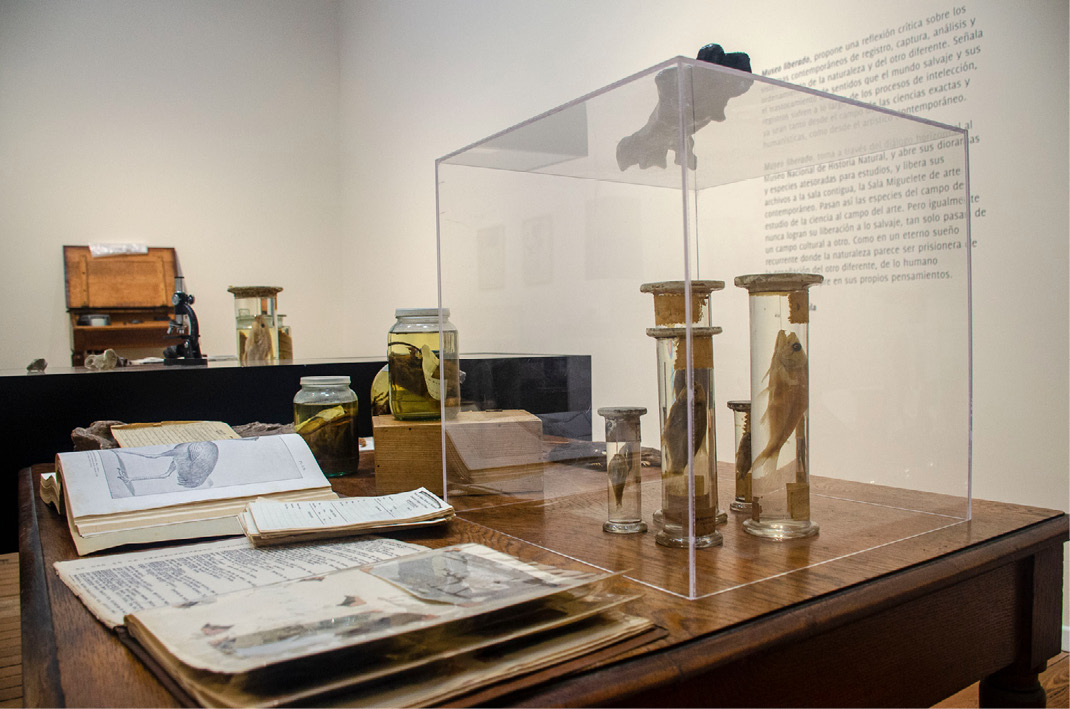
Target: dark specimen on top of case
649	146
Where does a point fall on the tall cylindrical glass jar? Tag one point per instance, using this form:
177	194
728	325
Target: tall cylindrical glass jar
741	419
256	323
418	388
624	469
679	499
779	343
325	415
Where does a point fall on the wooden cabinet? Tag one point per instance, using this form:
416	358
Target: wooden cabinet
133	290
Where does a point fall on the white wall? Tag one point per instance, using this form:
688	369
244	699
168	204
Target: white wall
208	126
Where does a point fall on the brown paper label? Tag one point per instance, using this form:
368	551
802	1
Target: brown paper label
669	308
799	500
743	487
799	307
703	353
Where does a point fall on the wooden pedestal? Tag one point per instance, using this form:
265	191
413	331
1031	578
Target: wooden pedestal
488	452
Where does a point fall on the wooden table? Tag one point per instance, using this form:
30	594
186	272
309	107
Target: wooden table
901	624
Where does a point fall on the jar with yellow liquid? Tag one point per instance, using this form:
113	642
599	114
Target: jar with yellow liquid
325	415
424	371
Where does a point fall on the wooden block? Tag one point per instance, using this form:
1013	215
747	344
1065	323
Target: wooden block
408	455
487	451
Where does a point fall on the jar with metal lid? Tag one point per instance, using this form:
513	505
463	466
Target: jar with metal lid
325	415
417	359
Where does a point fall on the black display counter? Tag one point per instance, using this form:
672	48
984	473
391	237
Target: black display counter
42	409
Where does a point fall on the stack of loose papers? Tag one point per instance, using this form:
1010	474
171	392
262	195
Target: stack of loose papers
272	522
409	631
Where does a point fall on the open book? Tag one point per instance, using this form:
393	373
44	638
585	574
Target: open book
180	490
408	631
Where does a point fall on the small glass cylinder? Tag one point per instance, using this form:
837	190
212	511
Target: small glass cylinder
670	303
415	364
741	414
623	465
325	415
679	499
256	322
286	340
780	470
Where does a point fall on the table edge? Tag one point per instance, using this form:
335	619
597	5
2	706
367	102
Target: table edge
40	664
613	684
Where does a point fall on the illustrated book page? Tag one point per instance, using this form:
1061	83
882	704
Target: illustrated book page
314	615
418	668
344	630
115	585
182	490
103	482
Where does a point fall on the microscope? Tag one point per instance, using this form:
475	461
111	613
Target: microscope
183	326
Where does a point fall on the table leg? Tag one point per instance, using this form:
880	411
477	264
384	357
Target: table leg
1012	688
1040	587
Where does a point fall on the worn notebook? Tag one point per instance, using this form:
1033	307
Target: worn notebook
274	522
182	490
409	631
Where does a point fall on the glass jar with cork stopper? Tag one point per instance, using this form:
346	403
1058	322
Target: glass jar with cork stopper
257	324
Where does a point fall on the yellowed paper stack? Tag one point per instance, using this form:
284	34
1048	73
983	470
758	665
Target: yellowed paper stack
409	631
275	522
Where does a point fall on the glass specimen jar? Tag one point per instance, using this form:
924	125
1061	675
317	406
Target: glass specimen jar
670	302
286	340
624	479
415	364
678	498
741	415
780	470
256	322
325	415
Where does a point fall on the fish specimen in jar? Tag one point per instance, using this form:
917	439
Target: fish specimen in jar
743	453
788	398
620	469
674	435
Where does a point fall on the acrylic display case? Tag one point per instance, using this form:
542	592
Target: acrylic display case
691	172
